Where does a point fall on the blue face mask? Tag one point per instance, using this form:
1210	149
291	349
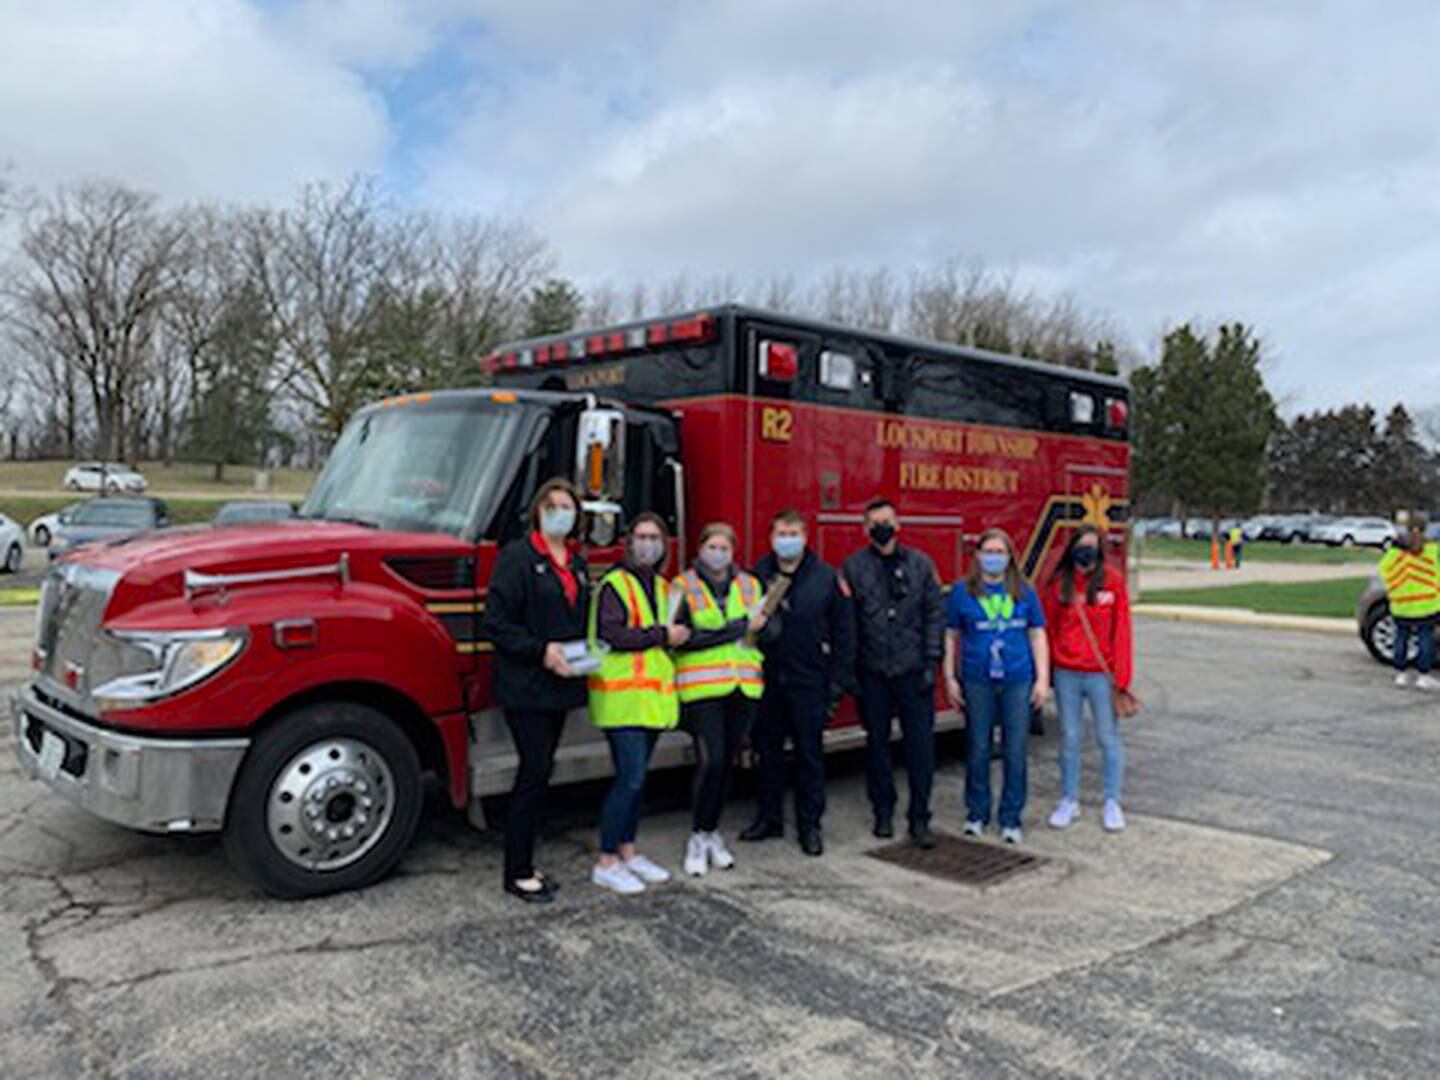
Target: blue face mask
788	547
994	563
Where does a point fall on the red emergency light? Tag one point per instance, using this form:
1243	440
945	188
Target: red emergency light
692	331
779	360
1117	413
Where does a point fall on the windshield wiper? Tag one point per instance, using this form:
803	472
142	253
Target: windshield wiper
345	519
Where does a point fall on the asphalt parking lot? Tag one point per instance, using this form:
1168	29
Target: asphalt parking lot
1274	910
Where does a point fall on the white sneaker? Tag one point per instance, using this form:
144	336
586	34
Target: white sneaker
697	855
975	828
720	856
1425	682
1066	811
1114	816
1012	835
1403	679
617	878
647	871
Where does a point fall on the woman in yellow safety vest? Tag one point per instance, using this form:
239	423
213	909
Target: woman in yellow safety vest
719	680
1411	572
632	695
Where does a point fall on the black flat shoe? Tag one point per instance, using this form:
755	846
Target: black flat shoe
922	837
762	830
884	828
548	881
543	895
810	842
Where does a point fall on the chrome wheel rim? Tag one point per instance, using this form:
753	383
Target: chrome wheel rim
331	804
1383	635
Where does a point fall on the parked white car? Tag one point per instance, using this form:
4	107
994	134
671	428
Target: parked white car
1350	531
43	529
103	476
12	544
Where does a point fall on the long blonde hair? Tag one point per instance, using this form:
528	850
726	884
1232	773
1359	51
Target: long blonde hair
1014	581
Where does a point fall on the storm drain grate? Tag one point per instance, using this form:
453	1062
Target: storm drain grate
970	862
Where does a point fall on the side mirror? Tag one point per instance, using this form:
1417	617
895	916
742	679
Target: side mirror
600	455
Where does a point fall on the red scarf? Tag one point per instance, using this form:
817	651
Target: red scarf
562	569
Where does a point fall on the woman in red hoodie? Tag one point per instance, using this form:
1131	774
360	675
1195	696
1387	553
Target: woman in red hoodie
1087	614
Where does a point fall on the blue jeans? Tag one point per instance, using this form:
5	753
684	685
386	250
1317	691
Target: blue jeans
1424	632
986	705
630	750
1072	690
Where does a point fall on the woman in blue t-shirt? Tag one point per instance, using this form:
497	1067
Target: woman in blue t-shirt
997	664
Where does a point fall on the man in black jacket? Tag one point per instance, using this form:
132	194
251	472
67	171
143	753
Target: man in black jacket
813	649
900	627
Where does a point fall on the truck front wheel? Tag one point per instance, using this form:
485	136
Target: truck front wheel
328	799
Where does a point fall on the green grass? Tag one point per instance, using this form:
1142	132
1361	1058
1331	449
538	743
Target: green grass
1334	598
1161	547
190	477
183	511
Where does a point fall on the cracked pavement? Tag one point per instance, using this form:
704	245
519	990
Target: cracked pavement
1272	911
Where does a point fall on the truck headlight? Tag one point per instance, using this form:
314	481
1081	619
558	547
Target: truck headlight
149	665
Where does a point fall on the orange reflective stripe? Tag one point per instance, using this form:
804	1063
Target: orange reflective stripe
632	599
616	685
748	587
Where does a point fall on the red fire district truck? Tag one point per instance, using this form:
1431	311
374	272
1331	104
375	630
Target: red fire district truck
291	684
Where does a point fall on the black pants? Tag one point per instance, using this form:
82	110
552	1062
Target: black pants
882	698
799	714
717	726
536	736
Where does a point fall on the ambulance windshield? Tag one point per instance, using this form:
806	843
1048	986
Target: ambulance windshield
424	467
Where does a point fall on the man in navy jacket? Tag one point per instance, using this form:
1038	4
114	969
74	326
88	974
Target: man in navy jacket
813	650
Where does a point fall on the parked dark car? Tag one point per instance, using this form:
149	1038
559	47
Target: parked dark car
107	518
254	511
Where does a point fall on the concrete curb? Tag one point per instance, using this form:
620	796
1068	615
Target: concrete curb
1223	616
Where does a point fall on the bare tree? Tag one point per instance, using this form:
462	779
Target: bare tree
92	281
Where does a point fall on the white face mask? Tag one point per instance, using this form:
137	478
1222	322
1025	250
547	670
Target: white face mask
716	559
647	551
557	521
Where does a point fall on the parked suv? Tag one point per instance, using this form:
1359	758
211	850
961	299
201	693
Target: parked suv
1350	531
106	519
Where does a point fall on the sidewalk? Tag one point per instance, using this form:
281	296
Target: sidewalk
1223	616
1174	574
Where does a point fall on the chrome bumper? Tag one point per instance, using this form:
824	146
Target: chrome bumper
155	785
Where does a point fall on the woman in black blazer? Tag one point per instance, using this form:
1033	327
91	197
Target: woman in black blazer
538	599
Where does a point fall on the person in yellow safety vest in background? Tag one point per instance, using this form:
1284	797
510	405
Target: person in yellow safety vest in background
632	695
719	678
1237	543
1411	572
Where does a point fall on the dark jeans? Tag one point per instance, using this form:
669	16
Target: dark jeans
988	705
799	714
881	699
536	736
718	726
1424	633
630	750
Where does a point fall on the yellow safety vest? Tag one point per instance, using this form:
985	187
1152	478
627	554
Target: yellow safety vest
1412	581
719	671
633	689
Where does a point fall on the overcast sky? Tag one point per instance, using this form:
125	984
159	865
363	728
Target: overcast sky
1277	163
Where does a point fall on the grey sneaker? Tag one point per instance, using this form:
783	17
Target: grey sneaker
1066	811
975	828
647	871
1012	835
1114	816
720	856
1403	679
617	878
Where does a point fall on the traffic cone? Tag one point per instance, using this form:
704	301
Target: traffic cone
1214	553
1229	555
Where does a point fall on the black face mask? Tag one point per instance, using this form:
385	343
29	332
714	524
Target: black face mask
1086	557
882	533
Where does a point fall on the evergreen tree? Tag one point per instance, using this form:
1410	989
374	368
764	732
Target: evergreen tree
553	308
